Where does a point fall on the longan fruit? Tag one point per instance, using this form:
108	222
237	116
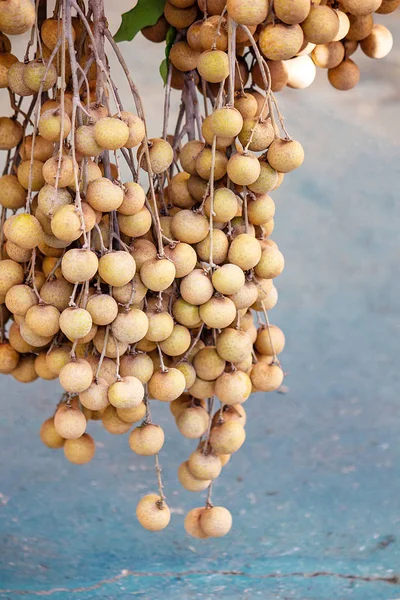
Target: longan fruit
216	521
25	372
226	122
189	482
167	385
5	43
208	134
189	227
42	149
270	340
285	155
65	174
130	326
10	133
20	298
184	258
42	369
156	33
260	209
379	42
161	326
126	392
388	6
51	199
246	104
132	415
178	193
135	225
15	79
85	141
183	56
193	422
248	12
345	76
117	268
208	364
17	341
192	523
204	162
196	288
188	154
185	313
243	168
233	388
33	171
278	73
17	17
202	389
113	423
136	128
49	435
35	76
75	322
111	133
360	27
134	290
225	205
188	371
244	251
234	412
178	342
228	279
57	292
153	513
321	25
290	12
142	250
137	365
257	134
69	422
104	195
361	7
81	450
281	42
204	466
12	194
227	437
133	199
102	308
213	66
16	253
271	263
11	273
246	296
66	223
220	247
43	320
147	439
157	274
233	345
58	357
266	377
218	312
50	124
76	376
113	347
328	56
9	358
33	338
161	155
302	72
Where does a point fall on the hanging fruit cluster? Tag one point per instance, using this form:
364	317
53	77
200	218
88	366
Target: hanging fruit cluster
130	293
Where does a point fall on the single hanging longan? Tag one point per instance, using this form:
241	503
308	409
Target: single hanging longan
192	523
153	513
216	521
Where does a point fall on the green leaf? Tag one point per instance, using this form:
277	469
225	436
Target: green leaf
164	70
145	13
169	41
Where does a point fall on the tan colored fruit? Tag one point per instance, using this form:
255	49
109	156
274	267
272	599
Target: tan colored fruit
16	16
193	422
10	133
233	388
328	56
130	326
290	12
76	376
184	258
79	265
5	43
243	168
271	263
132	415
135	290
39	75
50	125
117	268
202	389
189	227
166	386
157	274
226	122
136	129
220	247
244	251
184	57
137	365
180	17
147	439
126	392
361	7
142	250
25	372
113	347
246	104
51	199
266	377
228	279
85	141
280	42
58	357
213	33
43	149
204	164
69	421
216	521
185	313
321	26
230	413
233	345
57	292
192	522
344	26
218	312
9	358
43	320
285	155
261	209
379	42
302	72
161	326
113	423
188	155
102	308
388	6
133	199
208	134
51	31
196	288
42	369
135	225
75	323
208	364
360	27
246	296
111	133
248	12
93	172
213	66
227	437
225	205
193	36
81	450
16	253
188	372
178	192
12	194
104	195
161	155
204	466
17	341
270	340
189	482
6	61
49	435
65	174
152	513
158	32
345	76
178	342
257	134
24	230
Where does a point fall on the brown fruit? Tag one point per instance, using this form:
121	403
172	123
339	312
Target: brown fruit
328	56
81	450
76	376
69	421
248	12
388	6
146	440
111	133
49	435
270	340
266	377
361	7
189	482
65	174
16	16
360	27
184	57
291	12
39	75
279	41
6	61
158	32
10	133
345	76
379	42
9	358
12	194
321	26
180	17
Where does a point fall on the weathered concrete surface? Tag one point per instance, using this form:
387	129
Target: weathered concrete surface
315	490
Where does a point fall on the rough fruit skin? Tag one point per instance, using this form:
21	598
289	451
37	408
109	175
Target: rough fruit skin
9	358
146	440
111	133
328	56
37	75
233	388
213	66
265	377
16	16
161	155
79	265
10	133
345	76
69	422
216	521
285	155
183	57
204	466
152	514
167	386
189	482
290	12
192	523
280	42
12	194
248	12
321	26
243	168
81	450
24	230
117	268
379	42
49	435
360	7
76	376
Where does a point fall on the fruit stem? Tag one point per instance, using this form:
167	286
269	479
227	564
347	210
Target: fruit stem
232	60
